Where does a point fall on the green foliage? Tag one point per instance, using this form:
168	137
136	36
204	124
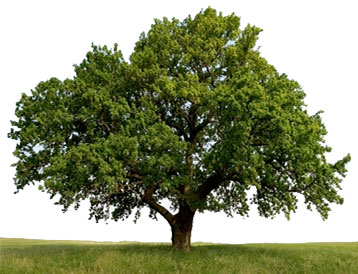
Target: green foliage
196	116
36	256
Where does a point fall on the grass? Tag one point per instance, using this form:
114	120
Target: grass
39	256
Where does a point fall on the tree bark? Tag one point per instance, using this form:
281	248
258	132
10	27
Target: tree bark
181	228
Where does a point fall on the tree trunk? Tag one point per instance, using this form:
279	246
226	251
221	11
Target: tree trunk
181	228
181	223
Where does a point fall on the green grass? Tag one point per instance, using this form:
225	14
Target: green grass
39	256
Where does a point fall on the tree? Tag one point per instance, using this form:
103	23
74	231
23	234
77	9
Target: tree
196	117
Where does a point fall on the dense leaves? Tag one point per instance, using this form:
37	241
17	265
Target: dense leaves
196	116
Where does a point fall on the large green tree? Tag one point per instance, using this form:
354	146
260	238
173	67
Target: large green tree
196	117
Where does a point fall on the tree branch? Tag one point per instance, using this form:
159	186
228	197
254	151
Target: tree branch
211	183
171	124
148	198
103	123
206	122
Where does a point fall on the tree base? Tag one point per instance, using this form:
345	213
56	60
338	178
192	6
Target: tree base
181	240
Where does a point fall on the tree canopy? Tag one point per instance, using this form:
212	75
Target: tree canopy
196	117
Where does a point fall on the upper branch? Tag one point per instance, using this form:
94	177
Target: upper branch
169	122
208	119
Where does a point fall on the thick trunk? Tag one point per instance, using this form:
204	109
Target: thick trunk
181	223
181	239
181	229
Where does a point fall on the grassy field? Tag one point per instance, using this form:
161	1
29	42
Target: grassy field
39	256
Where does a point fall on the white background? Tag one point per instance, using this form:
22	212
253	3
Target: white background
314	42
